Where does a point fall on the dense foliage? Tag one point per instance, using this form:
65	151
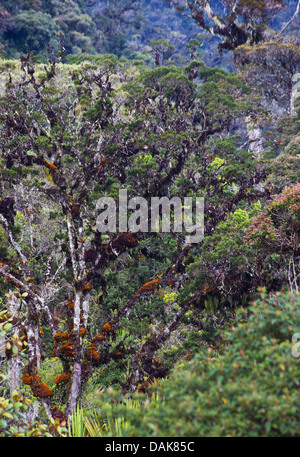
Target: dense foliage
121	28
250	387
141	331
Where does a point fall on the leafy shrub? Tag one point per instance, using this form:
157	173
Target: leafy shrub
251	389
13	419
276	230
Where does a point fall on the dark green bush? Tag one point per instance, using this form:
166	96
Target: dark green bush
251	389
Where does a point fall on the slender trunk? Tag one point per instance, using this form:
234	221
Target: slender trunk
144	357
32	328
295	93
34	355
85	309
14	361
81	304
75	390
292	18
46	402
14	374
292	276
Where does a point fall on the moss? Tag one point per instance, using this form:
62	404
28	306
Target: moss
83	331
39	388
70	304
60	336
67	349
62	378
100	337
92	353
106	328
148	287
26	378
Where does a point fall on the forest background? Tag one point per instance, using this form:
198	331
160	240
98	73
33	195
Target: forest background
142	334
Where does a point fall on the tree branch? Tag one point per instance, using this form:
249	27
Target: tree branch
11	238
292	18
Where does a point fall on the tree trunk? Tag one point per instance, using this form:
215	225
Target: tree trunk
14	361
81	305
75	390
254	137
14	374
295	92
32	328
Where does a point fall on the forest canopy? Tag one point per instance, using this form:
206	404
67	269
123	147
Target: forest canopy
137	330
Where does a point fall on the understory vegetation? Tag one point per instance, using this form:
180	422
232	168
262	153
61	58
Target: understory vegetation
136	330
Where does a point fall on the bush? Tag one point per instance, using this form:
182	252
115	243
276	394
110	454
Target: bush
251	389
14	420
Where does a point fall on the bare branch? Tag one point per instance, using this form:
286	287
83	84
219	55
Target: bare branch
13	242
292	18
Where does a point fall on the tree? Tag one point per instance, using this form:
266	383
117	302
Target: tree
236	24
270	67
6	21
230	392
77	26
67	144
276	231
34	28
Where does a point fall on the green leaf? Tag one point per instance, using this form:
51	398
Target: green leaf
3	423
31	153
7	327
15	395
